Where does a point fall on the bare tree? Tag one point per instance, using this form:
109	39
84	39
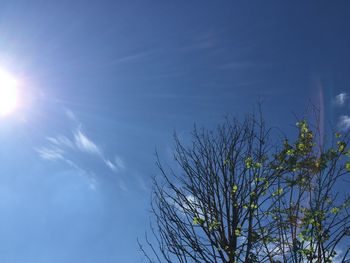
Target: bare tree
240	197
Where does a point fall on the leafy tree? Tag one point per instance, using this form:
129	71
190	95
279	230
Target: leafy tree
239	196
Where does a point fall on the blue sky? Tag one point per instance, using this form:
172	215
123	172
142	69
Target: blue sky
105	83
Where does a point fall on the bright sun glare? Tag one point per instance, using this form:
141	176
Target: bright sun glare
8	93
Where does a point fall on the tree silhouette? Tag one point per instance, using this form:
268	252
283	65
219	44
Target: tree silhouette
238	196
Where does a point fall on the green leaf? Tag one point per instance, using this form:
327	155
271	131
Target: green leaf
279	191
347	166
347	153
198	221
341	146
266	185
290	152
248	163
301	146
253	206
214	225
234	188
238	232
334	210
301	237
257	165
259	179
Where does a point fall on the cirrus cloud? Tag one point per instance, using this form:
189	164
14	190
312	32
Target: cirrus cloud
341	99
80	152
344	122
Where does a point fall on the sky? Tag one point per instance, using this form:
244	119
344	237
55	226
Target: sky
105	84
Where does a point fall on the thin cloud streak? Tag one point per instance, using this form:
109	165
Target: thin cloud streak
84	144
117	165
133	57
50	153
61	141
74	149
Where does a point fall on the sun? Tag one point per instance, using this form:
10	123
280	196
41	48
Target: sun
8	93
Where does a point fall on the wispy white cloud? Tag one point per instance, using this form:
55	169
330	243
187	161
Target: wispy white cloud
117	165
85	144
188	204
344	122
341	99
50	153
61	141
78	151
111	165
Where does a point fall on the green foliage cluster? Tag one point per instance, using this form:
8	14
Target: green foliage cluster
256	202
307	168
298	166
